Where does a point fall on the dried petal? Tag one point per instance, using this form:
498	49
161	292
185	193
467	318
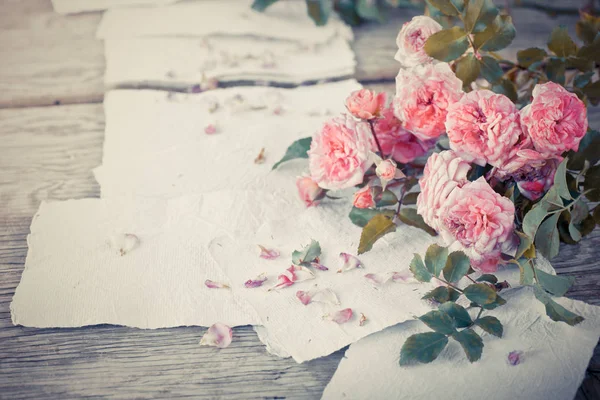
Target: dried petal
326	296
406	277
278	110
304	297
210	128
282	281
124	243
260	158
298	273
350	262
218	335
268	254
340	317
362	320
381	279
215	285
514	357
256	282
318	266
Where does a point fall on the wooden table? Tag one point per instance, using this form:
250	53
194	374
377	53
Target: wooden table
51	134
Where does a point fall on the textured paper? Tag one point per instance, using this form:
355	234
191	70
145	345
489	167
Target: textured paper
286	20
552	366
187	61
74	277
77	6
155	145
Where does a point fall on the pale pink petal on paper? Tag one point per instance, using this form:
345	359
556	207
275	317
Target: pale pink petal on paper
514	357
350	262
268	254
256	282
319	266
218	335
340	317
363	319
304	296
124	243
282	282
215	285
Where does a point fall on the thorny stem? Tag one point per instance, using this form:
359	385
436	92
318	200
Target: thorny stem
471	279
375	137
449	284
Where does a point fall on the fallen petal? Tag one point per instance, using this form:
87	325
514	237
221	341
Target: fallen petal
268	254
514	357
124	243
375	279
218	335
256	282
362	320
215	285
350	262
318	266
282	281
304	297
300	273
210	129
326	296
340	317
260	158
406	277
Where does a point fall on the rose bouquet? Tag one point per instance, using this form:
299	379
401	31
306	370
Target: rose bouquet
509	163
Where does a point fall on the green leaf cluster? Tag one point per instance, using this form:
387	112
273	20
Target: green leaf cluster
308	254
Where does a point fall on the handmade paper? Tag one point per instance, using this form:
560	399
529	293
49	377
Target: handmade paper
555	356
156	146
78	6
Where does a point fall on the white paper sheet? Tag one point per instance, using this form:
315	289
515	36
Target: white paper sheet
155	145
555	356
77	6
74	277
286	20
188	61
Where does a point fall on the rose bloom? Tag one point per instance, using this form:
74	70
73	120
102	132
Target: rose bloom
423	95
412	38
310	193
339	153
396	142
479	222
533	173
483	127
363	198
556	120
386	170
366	104
443	173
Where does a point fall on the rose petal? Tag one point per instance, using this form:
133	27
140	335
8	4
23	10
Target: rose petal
282	281
218	335
256	282
318	266
268	254
514	357
215	285
350	262
210	129
298	273
124	243
381	279
406	277
304	297
340	317
326	296
362	320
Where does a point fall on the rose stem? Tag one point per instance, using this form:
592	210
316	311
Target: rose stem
375	137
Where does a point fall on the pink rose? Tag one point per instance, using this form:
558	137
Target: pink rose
386	170
443	173
483	127
366	104
556	120
479	222
363	198
339	153
412	38
423	95
533	173
310	192
397	142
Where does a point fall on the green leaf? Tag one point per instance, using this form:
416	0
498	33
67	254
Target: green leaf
347	11
555	69
496	303
591	51
453	295
555	311
560	43
490	69
547	240
480	293
471	343
423	347
435	259
362	216
582	64
579	212
459	314
529	56
557	285
496	36
580	81
592	91
592	183
445	6
376	228
308	253
467	69
507	88
298	149
526	272
525	246
318	10
410	217
588	149
261	5
439	321
447	45
487	278
410	198
456	267
388	198
373	10
482	11
491	325
560	181
417	267
441	294
534	218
